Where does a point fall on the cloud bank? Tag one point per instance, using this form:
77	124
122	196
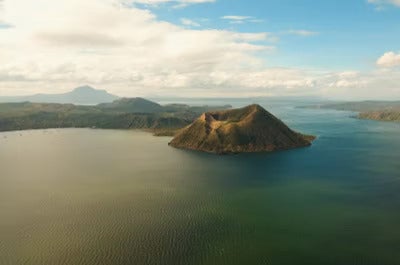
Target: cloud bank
385	2
389	59
53	46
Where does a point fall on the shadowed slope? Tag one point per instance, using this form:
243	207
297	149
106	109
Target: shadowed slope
250	129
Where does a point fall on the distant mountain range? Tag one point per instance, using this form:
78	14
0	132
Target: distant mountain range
84	95
369	110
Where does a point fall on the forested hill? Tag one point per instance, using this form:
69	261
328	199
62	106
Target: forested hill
127	113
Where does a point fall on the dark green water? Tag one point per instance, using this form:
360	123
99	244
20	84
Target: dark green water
86	197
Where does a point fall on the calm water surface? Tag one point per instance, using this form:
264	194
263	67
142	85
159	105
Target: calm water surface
83	197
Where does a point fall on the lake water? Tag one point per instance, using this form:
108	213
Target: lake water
83	197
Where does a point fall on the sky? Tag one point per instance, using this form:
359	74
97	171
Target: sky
337	49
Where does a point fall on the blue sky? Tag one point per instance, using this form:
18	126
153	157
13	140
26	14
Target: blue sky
338	49
351	33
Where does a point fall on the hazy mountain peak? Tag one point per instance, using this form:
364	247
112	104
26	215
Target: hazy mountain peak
85	95
85	88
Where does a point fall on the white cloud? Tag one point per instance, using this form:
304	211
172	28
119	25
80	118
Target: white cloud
385	2
177	3
241	19
56	45
189	22
303	33
1	13
155	2
375	84
389	59
236	17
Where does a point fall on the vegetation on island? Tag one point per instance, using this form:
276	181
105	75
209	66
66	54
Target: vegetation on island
126	113
245	130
